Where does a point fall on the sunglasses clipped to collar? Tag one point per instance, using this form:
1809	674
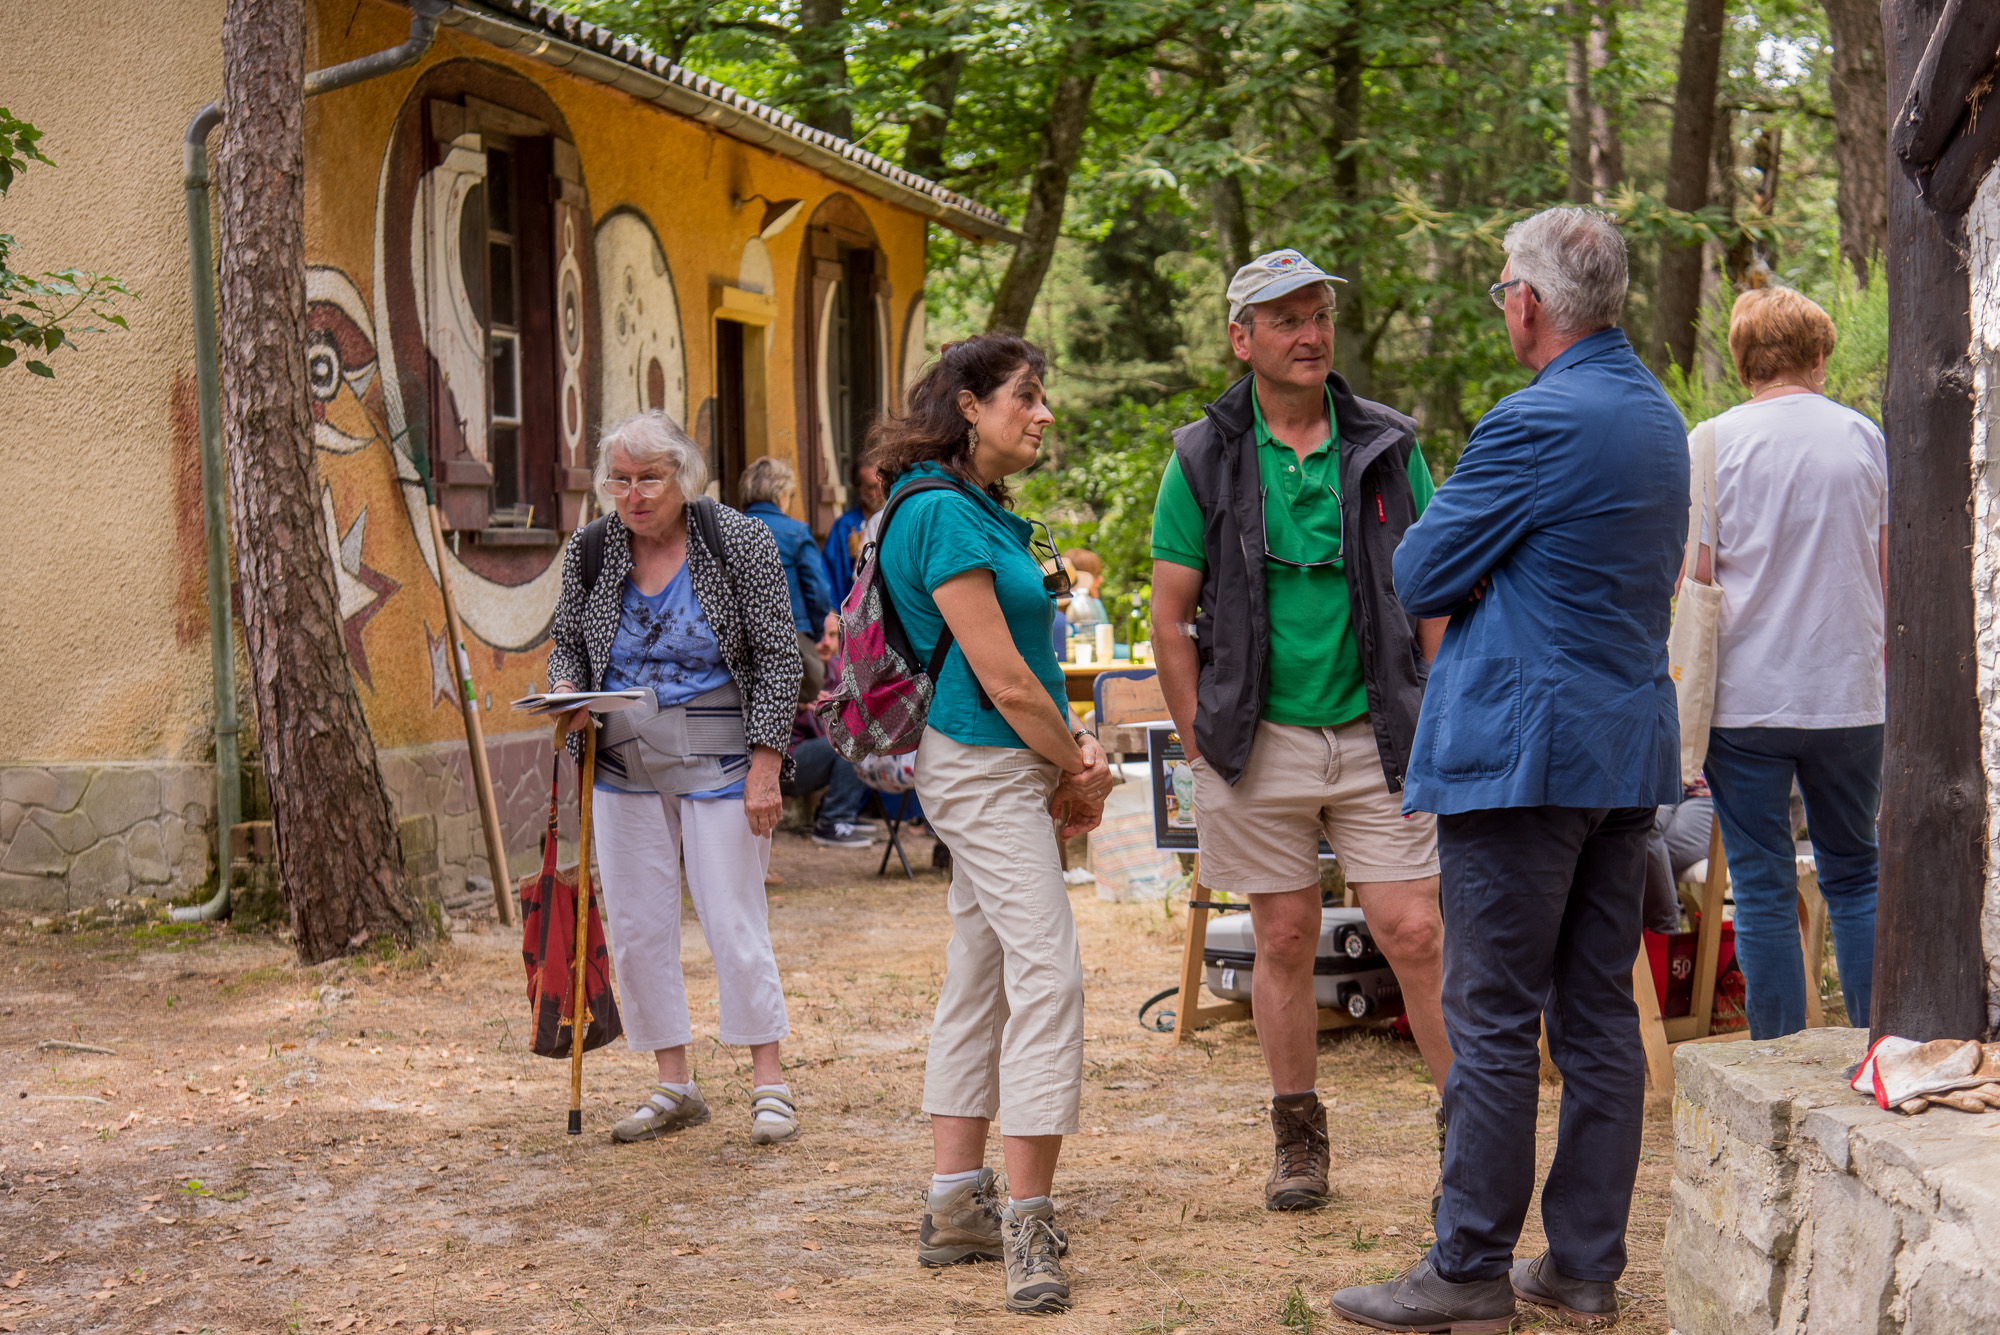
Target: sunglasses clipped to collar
1042	546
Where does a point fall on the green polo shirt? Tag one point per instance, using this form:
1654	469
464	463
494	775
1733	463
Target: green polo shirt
1315	677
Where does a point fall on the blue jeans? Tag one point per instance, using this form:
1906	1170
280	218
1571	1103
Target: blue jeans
818	765
1839	772
1541	913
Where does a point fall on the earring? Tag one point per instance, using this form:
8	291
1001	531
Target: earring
971	442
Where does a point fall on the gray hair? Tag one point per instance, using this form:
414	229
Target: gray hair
767	479
647	439
1574	259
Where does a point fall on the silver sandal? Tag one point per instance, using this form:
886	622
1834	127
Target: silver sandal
663	1113
768	1099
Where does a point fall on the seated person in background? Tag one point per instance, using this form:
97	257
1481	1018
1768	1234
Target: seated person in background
1086	610
1680	839
842	552
767	489
818	765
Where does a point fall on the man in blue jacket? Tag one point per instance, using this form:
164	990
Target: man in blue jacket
1547	738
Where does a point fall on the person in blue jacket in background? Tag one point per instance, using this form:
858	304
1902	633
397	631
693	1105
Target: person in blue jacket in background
842	552
1547	739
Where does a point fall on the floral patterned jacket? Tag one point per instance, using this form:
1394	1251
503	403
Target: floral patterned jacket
743	595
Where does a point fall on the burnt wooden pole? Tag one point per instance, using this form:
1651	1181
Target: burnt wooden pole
1929	974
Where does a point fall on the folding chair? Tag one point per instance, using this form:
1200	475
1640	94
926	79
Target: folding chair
889	795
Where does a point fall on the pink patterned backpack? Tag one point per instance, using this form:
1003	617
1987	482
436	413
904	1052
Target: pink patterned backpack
877	694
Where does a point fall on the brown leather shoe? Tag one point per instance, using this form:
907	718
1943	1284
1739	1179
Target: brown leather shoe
1298	1178
1591	1303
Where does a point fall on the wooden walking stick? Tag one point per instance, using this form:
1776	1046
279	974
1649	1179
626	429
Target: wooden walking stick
468	706
579	999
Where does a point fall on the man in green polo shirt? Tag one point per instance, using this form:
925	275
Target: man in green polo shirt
1294	677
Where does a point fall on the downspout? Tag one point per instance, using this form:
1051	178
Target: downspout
208	397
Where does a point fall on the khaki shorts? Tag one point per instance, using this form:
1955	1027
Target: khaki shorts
1263	834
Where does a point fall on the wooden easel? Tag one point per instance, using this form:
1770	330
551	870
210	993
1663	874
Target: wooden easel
1191	1014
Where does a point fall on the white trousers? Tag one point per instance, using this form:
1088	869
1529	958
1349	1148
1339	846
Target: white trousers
642	839
1007	1040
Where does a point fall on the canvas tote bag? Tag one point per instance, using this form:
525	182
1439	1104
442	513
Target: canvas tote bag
1691	640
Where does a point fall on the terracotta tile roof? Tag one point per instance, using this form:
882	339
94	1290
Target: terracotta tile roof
567	42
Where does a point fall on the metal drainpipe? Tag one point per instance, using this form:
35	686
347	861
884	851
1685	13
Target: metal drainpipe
208	397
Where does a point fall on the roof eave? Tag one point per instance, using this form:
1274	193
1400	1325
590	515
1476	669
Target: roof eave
768	130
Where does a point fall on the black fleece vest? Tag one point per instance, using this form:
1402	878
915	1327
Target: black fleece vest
1218	457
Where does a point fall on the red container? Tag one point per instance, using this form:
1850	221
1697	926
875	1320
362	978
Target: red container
1672	961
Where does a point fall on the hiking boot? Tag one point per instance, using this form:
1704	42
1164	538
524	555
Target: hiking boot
1035	1280
664	1112
963	1225
1420	1299
1298	1178
1588	1302
839	835
774	1118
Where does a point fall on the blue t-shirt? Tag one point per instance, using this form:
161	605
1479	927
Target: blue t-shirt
664	644
940	534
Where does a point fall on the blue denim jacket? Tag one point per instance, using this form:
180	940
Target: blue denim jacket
1551	688
805	574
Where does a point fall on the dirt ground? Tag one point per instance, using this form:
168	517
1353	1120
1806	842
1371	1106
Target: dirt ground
368	1147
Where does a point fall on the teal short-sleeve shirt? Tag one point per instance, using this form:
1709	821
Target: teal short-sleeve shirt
937	535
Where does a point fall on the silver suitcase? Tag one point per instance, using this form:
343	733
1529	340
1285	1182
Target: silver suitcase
1349	973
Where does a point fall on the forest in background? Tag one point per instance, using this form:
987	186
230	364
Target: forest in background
1145	148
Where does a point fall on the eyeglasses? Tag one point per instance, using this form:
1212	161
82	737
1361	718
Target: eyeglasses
1055	575
1340	553
1499	291
649	488
1285	326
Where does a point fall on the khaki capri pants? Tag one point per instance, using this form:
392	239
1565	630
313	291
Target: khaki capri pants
1007	1041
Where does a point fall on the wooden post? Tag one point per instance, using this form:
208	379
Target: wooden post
579	998
1652	1033
475	739
1929	977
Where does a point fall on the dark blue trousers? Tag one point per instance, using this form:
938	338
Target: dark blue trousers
1541	913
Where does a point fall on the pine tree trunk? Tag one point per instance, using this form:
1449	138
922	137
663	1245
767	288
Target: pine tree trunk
1354	349
1678	299
821	48
1607	148
1226	204
338	853
1048	193
1860	87
923	149
1582	116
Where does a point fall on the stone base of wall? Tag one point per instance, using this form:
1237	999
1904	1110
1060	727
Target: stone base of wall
75	835
1799	1206
436	780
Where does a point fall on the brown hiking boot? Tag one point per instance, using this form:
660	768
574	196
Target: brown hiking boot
1298	1178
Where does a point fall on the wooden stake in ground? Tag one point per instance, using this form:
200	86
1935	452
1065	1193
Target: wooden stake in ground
579	1002
338	856
475	735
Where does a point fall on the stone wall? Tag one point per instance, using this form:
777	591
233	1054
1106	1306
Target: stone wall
436	780
76	835
1799	1206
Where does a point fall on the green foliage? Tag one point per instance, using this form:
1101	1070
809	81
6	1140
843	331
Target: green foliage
39	315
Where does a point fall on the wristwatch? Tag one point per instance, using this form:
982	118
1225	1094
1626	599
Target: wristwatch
1079	734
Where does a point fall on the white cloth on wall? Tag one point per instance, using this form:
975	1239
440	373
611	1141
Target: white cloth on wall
1802	493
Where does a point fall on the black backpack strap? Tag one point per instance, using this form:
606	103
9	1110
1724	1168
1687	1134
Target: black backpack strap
708	523
592	536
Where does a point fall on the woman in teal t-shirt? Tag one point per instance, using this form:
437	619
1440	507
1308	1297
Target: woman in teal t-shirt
1001	755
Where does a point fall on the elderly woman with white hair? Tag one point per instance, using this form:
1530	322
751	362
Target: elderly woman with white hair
648	601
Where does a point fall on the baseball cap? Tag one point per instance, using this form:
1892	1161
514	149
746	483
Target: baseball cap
1272	275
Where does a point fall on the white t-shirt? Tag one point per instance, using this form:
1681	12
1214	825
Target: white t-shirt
1802	493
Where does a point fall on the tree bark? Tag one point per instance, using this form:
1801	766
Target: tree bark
923	149
1860	88
1048	193
1607	147
1678	299
1929	979
338	852
821	49
1579	17
1226	204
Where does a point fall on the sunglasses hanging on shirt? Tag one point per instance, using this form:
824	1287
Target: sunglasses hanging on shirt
1042	546
1340	552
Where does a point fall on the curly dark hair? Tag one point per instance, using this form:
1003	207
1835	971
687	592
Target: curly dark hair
930	428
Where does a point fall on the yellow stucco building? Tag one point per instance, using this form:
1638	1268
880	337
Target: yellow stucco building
529	233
